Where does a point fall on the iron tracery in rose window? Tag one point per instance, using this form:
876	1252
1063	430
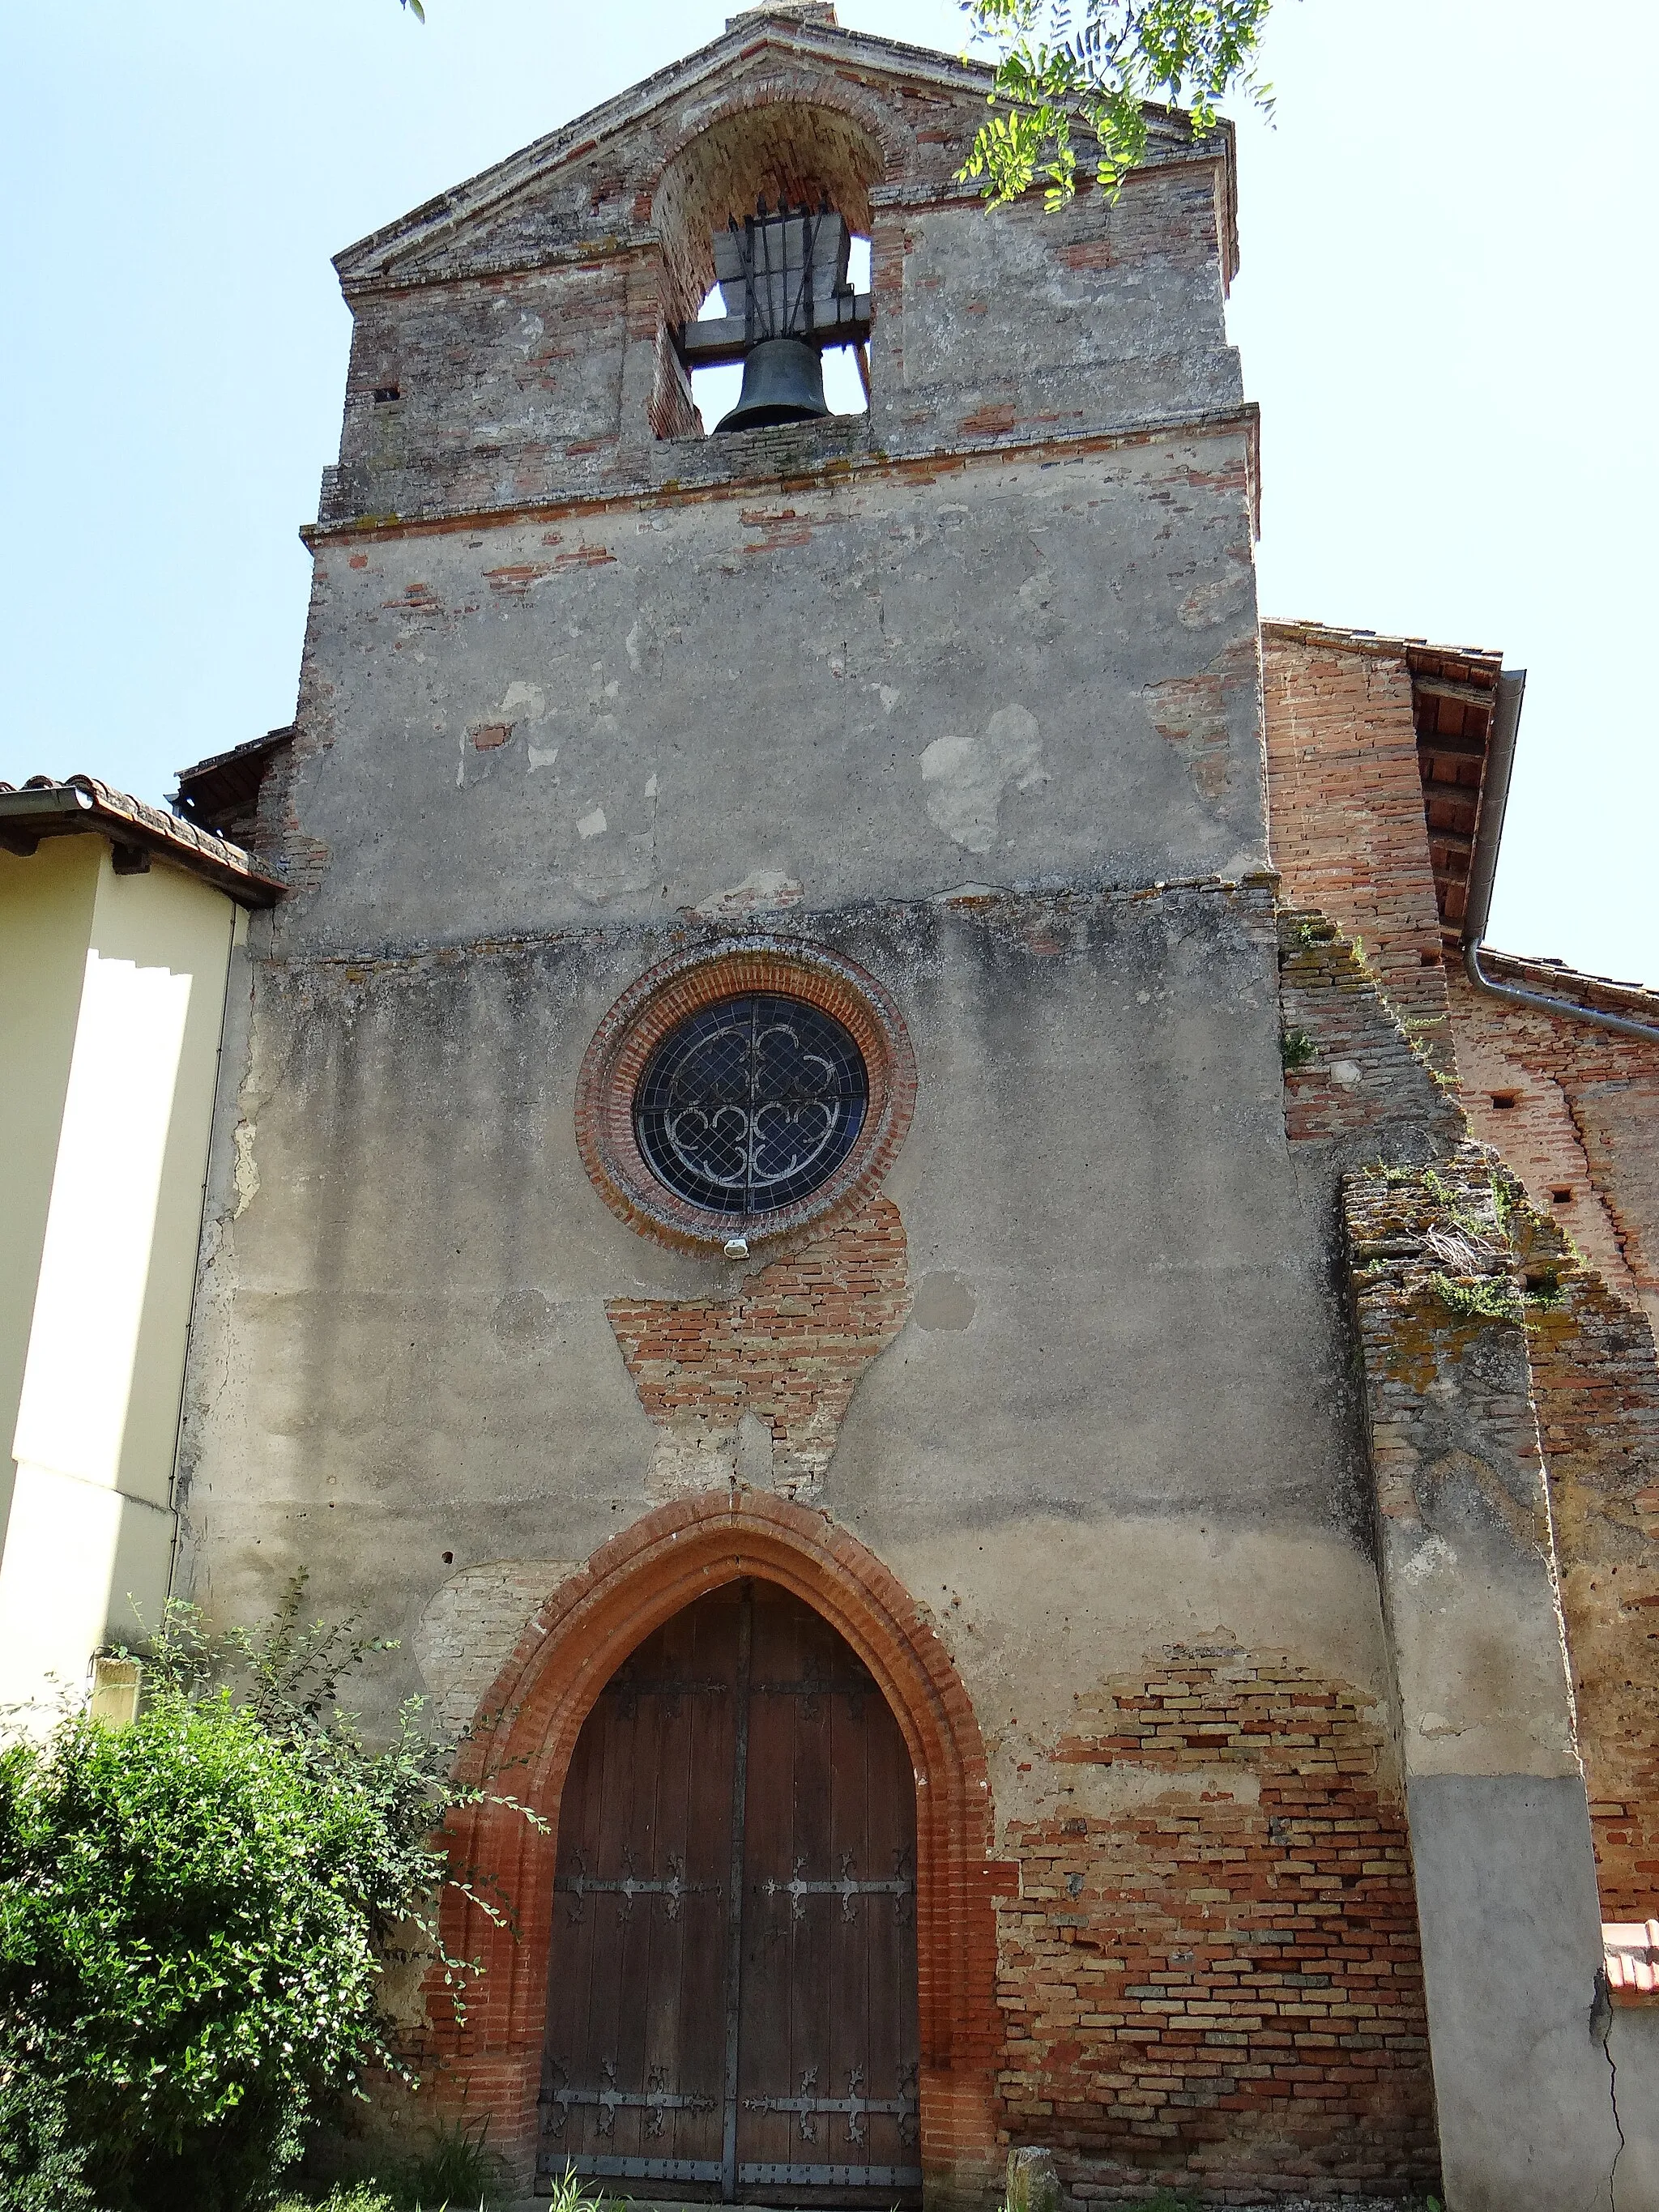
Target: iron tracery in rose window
751	1103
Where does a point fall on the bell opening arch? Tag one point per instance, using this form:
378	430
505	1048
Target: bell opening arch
491	2059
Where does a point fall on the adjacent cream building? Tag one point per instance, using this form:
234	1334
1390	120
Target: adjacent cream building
118	925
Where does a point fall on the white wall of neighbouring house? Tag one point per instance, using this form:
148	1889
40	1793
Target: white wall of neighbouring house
111	1007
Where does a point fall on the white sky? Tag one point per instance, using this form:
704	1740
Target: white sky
1446	311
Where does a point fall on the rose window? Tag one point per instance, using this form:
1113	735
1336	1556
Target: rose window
749	1105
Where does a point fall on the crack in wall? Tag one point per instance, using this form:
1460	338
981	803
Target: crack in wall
1600	2026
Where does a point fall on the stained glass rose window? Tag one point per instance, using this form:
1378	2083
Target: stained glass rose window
751	1103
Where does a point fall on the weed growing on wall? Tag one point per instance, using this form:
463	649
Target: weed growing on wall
193	1913
1483	1275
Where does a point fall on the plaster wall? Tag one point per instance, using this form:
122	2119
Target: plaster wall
1633	2055
131	970
1012	673
45	919
1113	314
1112	1439
414	1291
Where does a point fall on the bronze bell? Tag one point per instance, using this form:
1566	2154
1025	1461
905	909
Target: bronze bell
783	382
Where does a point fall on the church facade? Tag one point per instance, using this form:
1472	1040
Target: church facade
859	1193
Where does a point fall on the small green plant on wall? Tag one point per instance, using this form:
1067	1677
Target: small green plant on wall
1296	1049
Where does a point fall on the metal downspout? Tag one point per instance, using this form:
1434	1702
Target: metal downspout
1482	870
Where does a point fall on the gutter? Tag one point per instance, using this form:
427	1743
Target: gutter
1483	872
136	830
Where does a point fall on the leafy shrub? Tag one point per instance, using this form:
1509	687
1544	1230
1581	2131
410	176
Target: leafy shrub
192	1912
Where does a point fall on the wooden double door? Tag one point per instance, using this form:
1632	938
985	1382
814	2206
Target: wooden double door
732	1994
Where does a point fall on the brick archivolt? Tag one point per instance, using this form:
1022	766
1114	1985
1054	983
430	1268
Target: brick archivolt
796	138
527	1731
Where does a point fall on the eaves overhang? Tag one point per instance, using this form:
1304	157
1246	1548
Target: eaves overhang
137	832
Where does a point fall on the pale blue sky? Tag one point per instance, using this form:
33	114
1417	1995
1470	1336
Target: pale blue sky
1445	310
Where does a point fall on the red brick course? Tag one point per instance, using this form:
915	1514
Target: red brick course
790	1350
1223	1986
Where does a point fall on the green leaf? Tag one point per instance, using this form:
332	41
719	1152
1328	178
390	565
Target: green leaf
1053	80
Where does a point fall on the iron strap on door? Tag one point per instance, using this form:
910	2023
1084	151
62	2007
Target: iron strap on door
581	2116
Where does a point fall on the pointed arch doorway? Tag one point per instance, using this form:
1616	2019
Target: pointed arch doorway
732	1986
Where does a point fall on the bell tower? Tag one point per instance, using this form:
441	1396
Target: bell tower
784	291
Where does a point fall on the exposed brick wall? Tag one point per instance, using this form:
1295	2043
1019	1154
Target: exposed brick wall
789	1351
1345	817
468	1631
1585	1121
1596	1384
1350	839
1364	1072
1222	1985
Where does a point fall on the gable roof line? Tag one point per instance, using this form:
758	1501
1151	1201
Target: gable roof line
1380	644
478	194
481	194
1593	993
